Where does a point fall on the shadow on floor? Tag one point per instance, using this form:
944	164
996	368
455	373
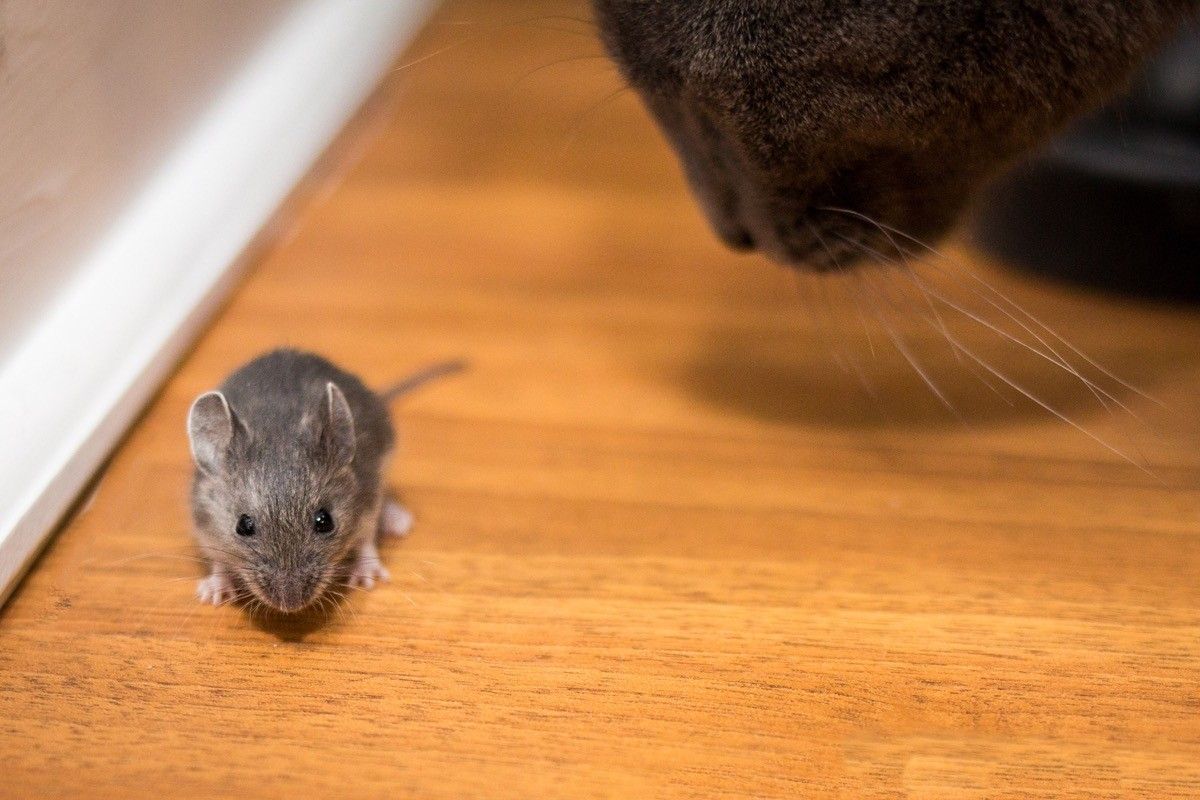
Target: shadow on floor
296	627
845	369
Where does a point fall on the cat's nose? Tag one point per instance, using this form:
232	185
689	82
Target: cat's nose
744	208
735	237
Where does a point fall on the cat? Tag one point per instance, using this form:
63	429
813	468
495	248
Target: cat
812	130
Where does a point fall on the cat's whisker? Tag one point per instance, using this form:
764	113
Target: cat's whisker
1067	343
525	22
904	255
855	366
571	134
831	343
860	280
556	63
1042	403
929	291
823	308
908	270
1102	395
1014	305
1080	428
957	347
434	54
858	311
812	311
902	348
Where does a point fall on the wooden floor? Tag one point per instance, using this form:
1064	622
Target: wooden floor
690	526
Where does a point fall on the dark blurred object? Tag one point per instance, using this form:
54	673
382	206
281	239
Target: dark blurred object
1115	202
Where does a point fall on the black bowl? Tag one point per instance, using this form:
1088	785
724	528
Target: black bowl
1115	202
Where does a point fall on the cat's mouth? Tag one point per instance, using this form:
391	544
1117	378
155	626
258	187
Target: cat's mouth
825	212
770	210
821	239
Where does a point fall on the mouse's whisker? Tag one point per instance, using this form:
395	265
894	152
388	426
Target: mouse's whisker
144	556
232	556
340	604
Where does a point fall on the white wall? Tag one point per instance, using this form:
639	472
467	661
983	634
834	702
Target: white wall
142	145
92	96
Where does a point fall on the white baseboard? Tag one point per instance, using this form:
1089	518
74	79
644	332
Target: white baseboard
75	383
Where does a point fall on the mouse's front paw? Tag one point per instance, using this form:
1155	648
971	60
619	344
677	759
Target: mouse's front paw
215	589
366	573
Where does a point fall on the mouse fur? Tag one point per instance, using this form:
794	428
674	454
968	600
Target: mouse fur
285	437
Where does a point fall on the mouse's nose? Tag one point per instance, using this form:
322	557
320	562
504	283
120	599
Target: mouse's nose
292	591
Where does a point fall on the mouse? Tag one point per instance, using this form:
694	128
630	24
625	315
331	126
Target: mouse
287	498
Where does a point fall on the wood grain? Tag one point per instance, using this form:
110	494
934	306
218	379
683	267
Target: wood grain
667	543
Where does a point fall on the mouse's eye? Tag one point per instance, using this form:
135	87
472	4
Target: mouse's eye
323	521
245	525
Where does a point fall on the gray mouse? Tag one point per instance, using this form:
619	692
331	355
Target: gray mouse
288	497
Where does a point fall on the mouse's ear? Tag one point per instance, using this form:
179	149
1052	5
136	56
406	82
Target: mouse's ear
339	425
210	430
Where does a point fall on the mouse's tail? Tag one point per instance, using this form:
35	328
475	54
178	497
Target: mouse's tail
403	387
